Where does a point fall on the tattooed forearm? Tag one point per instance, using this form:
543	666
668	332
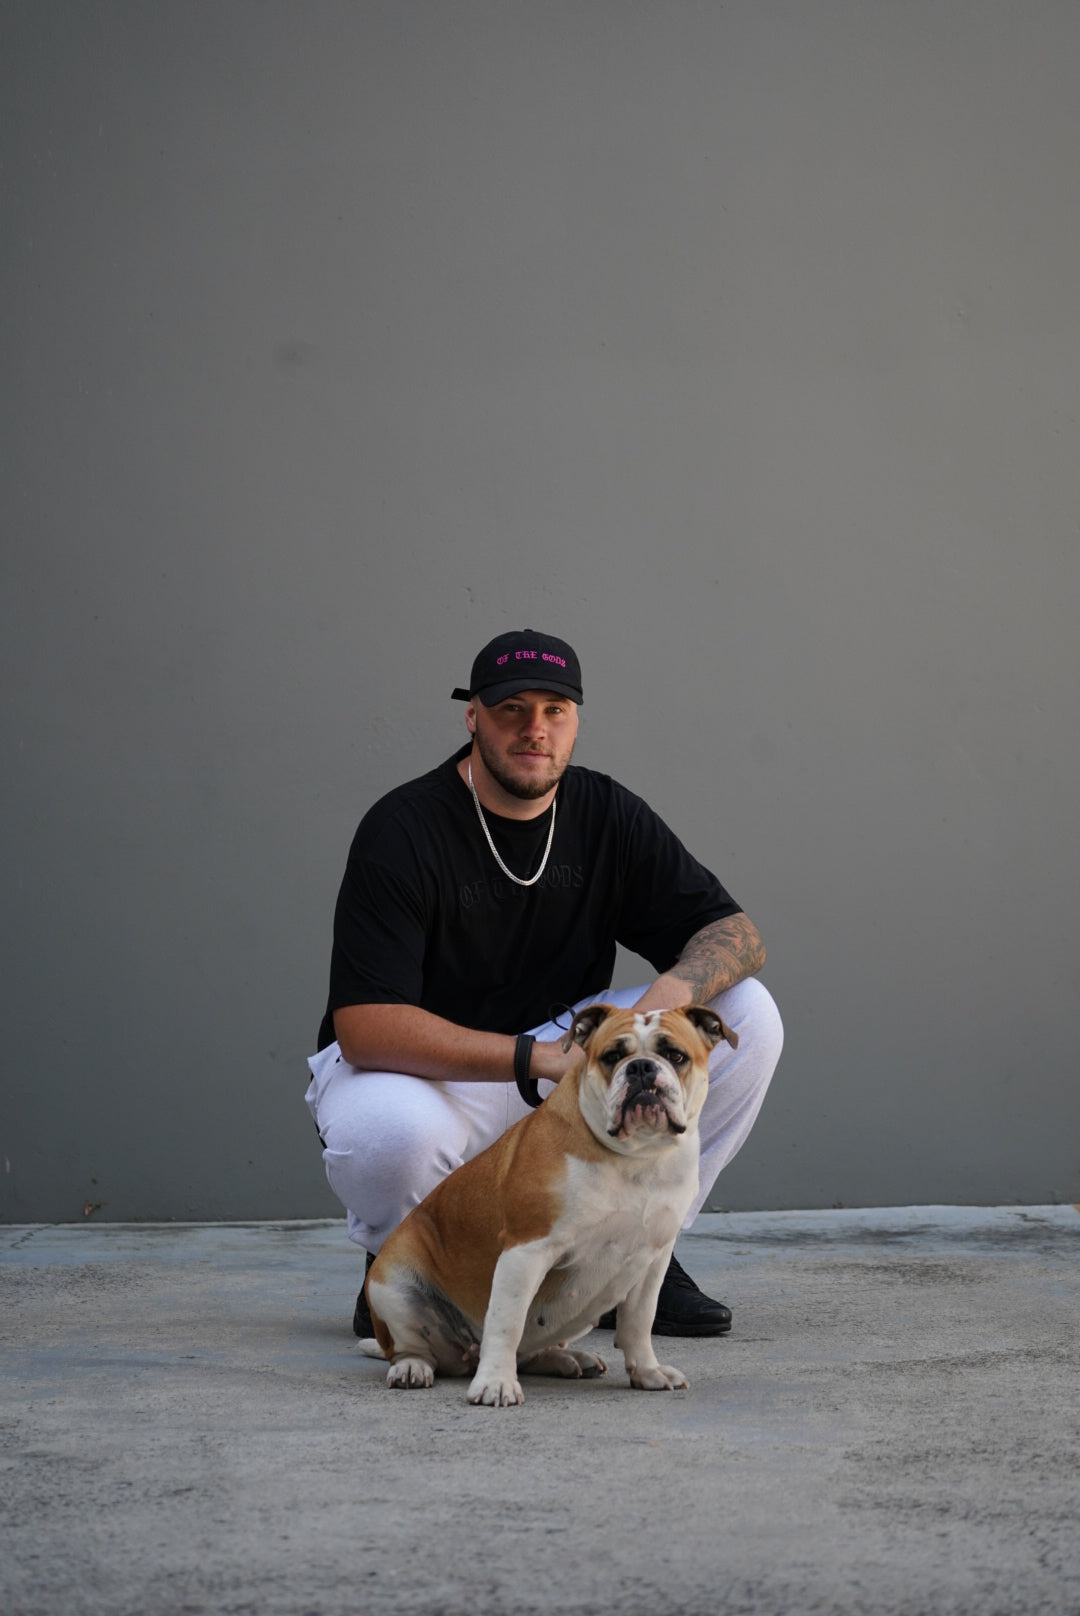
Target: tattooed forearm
720	955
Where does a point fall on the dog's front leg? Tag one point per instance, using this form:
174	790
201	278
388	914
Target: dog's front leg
633	1333
516	1280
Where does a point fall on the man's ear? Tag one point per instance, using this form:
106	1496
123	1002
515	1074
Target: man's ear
470	718
709	1025
585	1024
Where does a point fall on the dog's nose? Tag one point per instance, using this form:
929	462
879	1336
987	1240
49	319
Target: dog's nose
640	1073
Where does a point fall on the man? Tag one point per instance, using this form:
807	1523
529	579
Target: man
483	899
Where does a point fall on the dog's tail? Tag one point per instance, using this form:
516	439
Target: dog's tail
371	1348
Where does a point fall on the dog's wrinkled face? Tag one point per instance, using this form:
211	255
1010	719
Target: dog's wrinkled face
646	1073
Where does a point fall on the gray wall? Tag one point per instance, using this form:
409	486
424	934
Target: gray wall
737	343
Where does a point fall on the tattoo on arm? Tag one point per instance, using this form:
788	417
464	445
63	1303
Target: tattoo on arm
720	955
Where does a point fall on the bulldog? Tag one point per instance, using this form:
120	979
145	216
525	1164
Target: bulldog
573	1211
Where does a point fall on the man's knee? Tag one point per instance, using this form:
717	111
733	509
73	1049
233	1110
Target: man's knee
387	1140
379	1131
751	1012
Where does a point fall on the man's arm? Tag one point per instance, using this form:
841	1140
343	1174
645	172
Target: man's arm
715	958
404	1038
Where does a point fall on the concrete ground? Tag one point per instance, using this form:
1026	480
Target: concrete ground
893	1426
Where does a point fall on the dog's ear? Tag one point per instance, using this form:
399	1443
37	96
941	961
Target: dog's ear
585	1024
709	1025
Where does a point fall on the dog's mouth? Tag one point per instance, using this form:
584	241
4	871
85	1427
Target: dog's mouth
645	1107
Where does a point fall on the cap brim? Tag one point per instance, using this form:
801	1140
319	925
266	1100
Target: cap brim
510	687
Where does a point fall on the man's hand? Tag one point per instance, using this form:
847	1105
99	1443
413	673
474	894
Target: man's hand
715	958
549	1060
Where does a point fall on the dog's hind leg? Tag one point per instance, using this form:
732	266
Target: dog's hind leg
394	1303
428	1335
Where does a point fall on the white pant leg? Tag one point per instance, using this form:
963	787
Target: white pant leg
738	1079
389	1138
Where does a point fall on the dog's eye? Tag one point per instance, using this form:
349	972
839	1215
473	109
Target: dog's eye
677	1058
609	1058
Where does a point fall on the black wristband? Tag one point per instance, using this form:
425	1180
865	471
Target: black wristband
526	1085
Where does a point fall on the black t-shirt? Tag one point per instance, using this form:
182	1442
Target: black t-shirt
426	917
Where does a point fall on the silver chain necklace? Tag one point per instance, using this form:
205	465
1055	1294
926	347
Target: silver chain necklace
517	879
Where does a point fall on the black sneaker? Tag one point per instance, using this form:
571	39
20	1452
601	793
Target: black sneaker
362	1322
682	1308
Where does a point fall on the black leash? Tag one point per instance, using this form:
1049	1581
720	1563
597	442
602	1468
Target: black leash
526	1085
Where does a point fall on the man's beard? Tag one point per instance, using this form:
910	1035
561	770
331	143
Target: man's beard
525	790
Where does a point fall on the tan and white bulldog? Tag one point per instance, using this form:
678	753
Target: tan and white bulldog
575	1210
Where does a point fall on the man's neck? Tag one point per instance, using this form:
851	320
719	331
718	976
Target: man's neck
495	797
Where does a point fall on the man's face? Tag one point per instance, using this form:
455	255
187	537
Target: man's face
526	741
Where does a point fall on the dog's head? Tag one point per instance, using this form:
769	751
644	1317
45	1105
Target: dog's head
646	1072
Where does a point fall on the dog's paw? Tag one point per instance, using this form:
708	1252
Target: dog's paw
658	1378
408	1373
496	1391
562	1361
590	1364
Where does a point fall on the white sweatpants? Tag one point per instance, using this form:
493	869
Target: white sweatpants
389	1138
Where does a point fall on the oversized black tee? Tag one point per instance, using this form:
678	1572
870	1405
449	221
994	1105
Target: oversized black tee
426	917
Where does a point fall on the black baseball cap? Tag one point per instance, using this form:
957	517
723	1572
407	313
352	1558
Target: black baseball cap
523	660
